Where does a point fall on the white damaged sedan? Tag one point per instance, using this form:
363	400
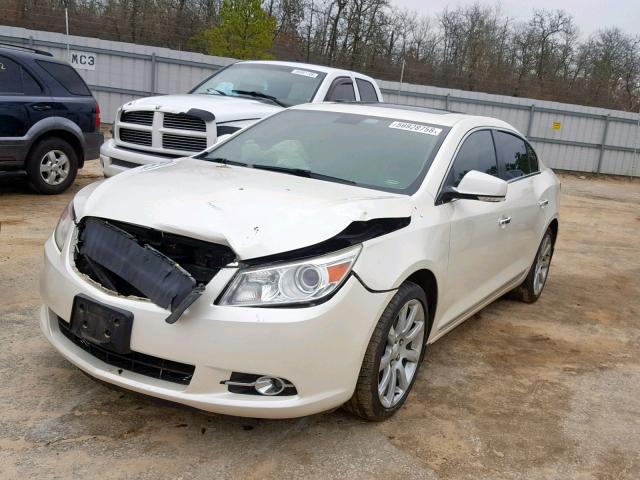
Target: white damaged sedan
302	264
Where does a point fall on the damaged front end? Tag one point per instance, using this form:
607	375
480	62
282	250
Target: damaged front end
170	270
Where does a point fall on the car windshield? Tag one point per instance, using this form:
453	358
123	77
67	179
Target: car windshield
383	153
286	86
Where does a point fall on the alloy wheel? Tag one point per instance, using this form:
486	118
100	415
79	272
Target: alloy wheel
542	265
54	167
402	352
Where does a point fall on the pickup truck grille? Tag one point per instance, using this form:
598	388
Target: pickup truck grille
144	117
139	137
182	142
173	134
182	121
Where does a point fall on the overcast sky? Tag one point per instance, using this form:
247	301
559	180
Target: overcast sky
590	15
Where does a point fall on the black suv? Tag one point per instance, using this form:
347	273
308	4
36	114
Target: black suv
49	121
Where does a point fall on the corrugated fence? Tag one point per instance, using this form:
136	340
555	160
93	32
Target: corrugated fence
569	137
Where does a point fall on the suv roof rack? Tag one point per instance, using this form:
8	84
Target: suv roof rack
21	47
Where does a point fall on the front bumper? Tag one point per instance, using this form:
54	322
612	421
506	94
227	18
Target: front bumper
115	159
319	349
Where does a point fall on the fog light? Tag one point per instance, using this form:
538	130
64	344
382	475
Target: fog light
269	385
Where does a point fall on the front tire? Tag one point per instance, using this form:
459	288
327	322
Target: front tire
531	289
52	166
395	352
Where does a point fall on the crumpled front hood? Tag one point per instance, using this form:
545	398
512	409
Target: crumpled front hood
255	212
225	109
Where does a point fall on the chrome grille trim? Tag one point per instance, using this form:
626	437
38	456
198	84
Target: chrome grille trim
182	121
139	117
137	137
184	143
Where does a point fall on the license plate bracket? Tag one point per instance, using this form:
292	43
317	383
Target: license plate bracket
100	324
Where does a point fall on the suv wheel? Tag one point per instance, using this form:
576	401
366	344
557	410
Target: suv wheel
52	166
395	351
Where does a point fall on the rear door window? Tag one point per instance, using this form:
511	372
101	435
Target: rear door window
15	80
513	156
476	153
66	76
367	91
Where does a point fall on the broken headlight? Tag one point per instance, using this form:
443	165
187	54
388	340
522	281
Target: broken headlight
64	225
290	283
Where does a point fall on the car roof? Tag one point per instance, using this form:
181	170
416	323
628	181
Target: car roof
309	66
407	113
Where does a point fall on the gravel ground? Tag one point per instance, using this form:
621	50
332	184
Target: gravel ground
550	390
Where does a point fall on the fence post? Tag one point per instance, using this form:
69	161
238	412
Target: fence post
604	140
532	111
446	101
152	90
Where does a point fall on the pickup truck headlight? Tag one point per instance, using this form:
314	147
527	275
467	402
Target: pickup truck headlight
290	283
67	218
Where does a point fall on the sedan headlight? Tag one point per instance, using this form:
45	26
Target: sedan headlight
67	218
289	283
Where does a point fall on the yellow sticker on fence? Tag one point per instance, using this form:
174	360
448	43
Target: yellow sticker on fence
556	125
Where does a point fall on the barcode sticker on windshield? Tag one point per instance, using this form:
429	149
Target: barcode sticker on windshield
304	73
414	127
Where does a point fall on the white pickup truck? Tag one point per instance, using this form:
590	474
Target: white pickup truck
153	129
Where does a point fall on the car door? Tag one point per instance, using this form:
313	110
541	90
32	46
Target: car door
14	119
520	171
479	234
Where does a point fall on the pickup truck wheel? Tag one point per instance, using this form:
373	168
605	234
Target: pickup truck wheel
52	166
395	351
531	289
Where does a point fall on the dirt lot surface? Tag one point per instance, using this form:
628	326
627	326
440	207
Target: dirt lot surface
550	390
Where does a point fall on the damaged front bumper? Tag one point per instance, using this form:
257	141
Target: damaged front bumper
318	349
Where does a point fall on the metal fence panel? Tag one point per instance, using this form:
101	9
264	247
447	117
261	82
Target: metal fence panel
570	137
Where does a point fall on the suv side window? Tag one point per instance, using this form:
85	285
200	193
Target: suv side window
341	91
367	91
67	77
476	153
514	156
14	80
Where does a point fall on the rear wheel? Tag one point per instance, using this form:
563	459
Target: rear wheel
394	354
531	289
52	166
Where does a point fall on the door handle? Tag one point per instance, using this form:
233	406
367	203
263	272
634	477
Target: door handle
543	203
504	221
41	107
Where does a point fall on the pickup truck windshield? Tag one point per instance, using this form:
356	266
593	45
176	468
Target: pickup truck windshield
286	86
389	154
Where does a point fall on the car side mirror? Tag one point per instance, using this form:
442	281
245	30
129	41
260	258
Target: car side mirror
476	186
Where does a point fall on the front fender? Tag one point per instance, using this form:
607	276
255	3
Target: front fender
387	261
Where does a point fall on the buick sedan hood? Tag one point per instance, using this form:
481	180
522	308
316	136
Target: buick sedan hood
255	212
225	108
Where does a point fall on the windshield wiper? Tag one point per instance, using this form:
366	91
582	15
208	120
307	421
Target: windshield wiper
226	161
260	95
301	172
219	92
